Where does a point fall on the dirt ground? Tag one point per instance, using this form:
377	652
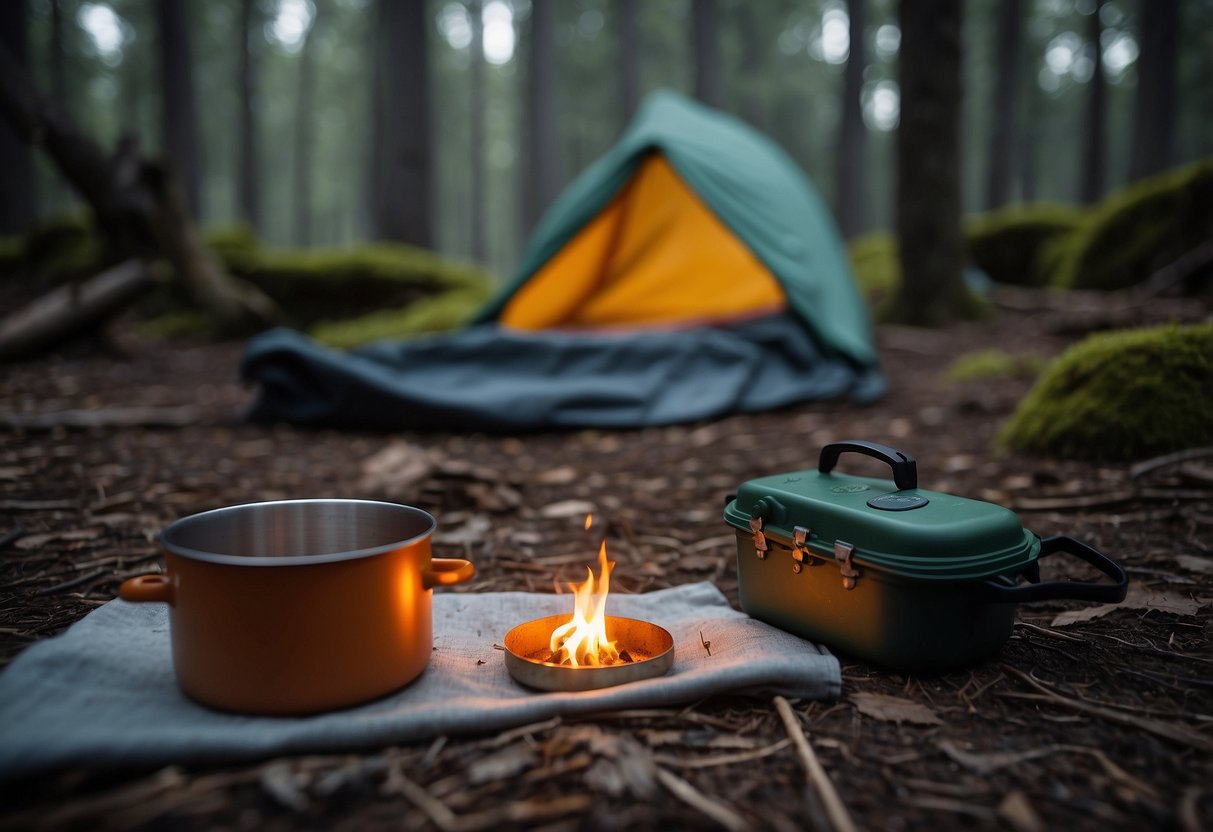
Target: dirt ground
1101	723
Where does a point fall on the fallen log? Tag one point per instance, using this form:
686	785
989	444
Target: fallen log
72	310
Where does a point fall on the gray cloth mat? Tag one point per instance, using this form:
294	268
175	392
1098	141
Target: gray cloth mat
103	693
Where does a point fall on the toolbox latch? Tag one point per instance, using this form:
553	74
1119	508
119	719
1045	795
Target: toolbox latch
800	537
760	539
842	554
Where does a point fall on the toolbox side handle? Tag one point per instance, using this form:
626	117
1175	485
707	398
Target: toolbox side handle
905	469
1036	590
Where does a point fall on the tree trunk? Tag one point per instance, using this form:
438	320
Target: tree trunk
139	205
629	63
931	247
249	192
1005	116
401	146
179	126
708	86
542	141
69	311
1095	144
753	54
17	207
304	129
476	132
848	156
1154	112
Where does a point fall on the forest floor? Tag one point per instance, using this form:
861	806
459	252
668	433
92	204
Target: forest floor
1104	722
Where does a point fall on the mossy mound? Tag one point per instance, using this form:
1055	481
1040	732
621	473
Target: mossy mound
1009	245
1121	396
874	261
994	364
441	313
314	284
60	250
1139	230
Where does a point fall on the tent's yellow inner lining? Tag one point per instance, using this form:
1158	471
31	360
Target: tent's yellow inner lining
655	255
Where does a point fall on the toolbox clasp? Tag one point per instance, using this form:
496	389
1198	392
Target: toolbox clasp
842	554
760	539
800	538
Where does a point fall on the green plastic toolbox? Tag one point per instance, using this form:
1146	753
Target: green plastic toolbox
887	572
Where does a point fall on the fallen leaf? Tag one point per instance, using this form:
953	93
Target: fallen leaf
1018	812
1138	598
470	532
563	475
894	709
398	469
503	765
1194	563
567	508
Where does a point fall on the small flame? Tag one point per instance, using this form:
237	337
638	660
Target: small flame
583	640
589	521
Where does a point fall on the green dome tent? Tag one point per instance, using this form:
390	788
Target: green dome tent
690	272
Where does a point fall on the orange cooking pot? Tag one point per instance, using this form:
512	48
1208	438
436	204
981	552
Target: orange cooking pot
299	606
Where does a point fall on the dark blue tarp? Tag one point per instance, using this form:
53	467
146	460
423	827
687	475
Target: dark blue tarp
489	378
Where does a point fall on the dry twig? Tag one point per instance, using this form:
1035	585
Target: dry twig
816	775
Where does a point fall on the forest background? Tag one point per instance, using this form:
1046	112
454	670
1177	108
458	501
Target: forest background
485	110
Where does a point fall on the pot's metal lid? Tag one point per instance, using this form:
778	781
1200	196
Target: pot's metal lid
910	532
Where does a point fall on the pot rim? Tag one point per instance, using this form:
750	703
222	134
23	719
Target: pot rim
164	538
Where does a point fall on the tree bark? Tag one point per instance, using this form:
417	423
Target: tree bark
17	195
178	121
1005	116
249	192
542	141
849	180
708	86
931	247
476	132
1095	144
304	131
629	63
1154	112
138	204
402	150
753	54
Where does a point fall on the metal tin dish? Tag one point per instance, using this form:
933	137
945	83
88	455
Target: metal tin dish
653	647
902	577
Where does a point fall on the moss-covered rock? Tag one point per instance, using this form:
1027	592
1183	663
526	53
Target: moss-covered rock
874	261
1009	245
61	249
314	284
1139	230
441	313
994	364
1119	396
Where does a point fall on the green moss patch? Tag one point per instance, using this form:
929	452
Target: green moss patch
1010	245
994	364
447	311
1121	396
874	261
313	284
1139	230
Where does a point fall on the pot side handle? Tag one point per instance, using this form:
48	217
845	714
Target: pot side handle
1112	593
147	589
448	571
905	468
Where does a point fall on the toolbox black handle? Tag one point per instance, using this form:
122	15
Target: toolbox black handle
905	469
1036	590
